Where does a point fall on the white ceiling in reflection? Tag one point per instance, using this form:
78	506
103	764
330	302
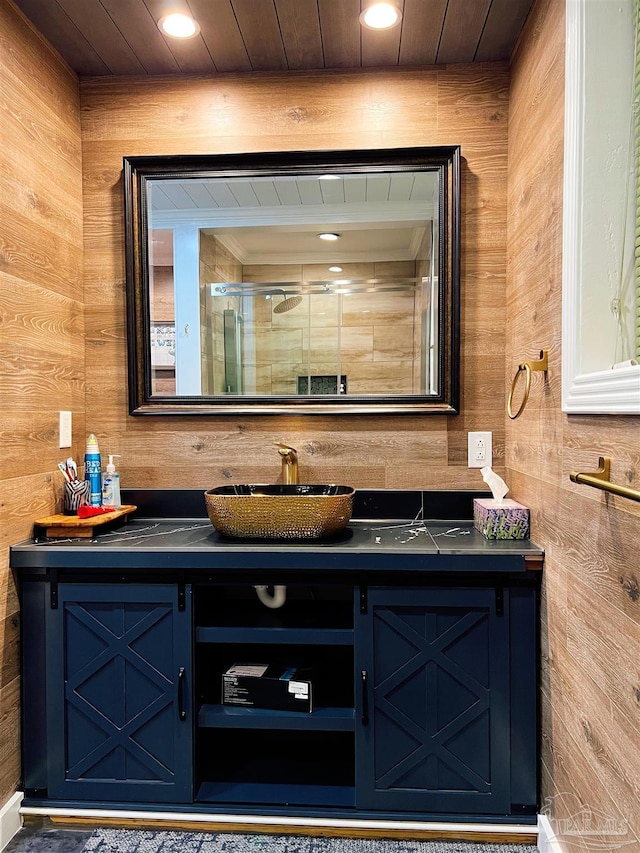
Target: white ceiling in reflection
276	219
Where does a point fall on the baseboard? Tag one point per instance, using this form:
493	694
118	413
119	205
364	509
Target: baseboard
10	819
547	841
359	828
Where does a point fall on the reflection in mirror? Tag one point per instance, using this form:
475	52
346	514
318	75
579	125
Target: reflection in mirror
303	283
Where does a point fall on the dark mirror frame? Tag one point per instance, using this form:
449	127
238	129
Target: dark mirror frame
444	160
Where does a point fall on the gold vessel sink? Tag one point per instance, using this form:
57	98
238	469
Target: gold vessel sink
280	511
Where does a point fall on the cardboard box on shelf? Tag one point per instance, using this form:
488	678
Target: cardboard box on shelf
269	686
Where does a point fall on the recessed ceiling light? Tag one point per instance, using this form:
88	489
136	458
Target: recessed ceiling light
335	269
327	235
380	16
179	26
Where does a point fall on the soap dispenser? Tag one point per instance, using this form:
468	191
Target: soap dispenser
111	485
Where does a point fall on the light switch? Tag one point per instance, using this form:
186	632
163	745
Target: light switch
65	429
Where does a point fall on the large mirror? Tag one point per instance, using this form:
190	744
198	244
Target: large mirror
305	282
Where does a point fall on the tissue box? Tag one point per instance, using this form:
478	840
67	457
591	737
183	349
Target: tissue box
508	520
266	686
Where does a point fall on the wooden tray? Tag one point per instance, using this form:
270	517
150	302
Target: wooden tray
70	526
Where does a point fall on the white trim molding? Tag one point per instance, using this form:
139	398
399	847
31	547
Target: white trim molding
10	819
547	841
612	391
419	829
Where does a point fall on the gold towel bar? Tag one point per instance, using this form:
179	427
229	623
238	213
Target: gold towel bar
600	480
526	367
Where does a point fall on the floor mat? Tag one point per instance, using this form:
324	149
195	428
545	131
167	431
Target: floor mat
144	841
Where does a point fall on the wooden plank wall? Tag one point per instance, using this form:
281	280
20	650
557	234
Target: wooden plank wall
591	621
466	105
41	314
591	604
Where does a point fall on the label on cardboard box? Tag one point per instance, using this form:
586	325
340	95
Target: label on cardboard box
268	686
254	670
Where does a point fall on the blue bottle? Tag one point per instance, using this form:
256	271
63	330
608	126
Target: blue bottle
93	470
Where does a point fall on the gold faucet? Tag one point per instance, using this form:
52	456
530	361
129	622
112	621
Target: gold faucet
289	464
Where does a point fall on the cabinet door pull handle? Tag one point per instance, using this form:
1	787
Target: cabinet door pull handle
182	714
365	697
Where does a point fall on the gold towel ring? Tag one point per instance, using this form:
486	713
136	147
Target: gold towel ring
525	367
527	387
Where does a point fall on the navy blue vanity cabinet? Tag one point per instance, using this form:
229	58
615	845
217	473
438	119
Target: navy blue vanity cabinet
434	706
118	663
422	665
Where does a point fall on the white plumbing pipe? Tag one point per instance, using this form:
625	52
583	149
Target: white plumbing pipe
276	600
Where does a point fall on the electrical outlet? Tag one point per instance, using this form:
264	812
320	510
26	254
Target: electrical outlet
65	429
479	450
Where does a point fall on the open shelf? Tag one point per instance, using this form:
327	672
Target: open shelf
328	668
270	794
275	767
320	719
250	755
284	636
307	608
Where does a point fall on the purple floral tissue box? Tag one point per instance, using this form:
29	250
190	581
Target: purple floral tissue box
508	520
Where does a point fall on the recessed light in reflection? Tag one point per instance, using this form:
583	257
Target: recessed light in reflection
329	235
380	16
178	26
335	269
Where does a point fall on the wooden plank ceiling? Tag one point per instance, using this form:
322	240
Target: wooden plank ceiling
121	37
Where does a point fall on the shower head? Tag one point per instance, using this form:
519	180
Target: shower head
287	304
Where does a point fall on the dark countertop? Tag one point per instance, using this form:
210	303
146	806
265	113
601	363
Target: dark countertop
170	532
155	544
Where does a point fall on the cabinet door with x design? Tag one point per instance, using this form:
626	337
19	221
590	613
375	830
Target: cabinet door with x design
433	703
118	674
